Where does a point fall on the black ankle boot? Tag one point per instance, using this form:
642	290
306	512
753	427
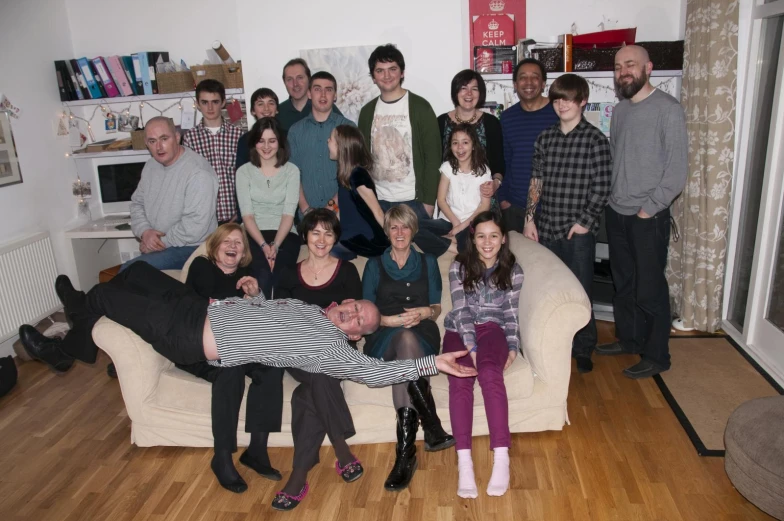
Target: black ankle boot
45	349
405	452
71	299
436	438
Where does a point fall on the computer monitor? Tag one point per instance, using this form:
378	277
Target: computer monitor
117	180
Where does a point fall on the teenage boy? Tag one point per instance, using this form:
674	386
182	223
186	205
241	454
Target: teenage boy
571	173
263	104
401	131
650	166
521	125
308	141
216	140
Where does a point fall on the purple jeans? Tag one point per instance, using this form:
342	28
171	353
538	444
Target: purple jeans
491	356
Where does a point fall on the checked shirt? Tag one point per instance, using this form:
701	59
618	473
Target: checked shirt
221	151
576	173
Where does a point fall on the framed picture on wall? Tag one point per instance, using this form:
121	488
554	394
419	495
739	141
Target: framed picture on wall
10	174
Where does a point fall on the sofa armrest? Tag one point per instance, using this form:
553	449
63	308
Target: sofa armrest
138	365
553	307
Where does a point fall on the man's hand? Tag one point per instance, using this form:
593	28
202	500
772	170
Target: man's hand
151	241
529	230
249	285
578	229
510	358
447	363
505	205
487	189
429	208
642	215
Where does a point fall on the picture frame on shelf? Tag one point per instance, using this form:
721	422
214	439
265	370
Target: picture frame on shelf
10	173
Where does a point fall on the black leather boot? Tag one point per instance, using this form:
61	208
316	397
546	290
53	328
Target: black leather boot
436	438
45	349
405	452
72	300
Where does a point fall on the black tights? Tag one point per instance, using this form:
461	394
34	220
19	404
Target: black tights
404	345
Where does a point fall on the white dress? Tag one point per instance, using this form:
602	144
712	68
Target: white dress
463	196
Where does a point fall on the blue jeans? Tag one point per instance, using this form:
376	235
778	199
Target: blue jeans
428	237
172	258
578	253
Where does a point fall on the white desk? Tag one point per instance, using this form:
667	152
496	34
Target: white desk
96	246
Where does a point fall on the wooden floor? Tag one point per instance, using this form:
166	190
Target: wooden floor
65	455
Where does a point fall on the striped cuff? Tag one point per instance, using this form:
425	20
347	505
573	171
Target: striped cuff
426	366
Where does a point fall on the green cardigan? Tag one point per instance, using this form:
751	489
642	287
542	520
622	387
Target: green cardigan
426	144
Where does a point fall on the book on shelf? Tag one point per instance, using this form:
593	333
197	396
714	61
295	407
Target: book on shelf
82	84
87	72
118	75
106	79
75	88
62	87
137	69
567	52
130	73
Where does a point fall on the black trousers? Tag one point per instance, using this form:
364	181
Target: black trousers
638	258
318	409
161	310
287	257
263	411
578	253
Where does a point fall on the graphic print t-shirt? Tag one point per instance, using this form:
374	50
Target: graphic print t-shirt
390	144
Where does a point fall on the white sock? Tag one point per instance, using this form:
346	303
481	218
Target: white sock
499	479
466	483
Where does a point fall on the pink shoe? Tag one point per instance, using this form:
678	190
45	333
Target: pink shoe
286	502
351	472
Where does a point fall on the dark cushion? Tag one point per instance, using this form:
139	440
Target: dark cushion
754	460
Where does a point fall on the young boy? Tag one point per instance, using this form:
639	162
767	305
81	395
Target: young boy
571	177
216	140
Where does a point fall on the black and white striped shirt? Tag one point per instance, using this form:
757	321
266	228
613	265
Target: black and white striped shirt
290	333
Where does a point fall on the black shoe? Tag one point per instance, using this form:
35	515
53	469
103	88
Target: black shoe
436	438
584	364
44	349
71	299
405	452
111	370
643	369
614	348
264	471
231	483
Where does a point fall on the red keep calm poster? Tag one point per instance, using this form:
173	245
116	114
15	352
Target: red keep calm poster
497	9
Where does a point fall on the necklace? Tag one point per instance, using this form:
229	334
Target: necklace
317	273
469	121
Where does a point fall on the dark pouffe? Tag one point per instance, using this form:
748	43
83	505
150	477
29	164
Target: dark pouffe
8	375
754	459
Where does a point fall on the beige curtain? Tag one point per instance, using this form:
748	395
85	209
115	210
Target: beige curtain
697	260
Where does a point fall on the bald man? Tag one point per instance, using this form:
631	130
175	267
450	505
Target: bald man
173	207
648	143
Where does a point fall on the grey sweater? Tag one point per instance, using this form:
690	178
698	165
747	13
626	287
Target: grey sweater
178	200
649	144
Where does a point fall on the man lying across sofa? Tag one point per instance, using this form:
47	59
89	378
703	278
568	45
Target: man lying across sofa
187	328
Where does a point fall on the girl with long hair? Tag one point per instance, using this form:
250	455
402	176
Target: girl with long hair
485	282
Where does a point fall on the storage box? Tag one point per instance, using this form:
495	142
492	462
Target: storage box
137	140
495	60
207	72
666	56
171	82
232	73
551	58
493	30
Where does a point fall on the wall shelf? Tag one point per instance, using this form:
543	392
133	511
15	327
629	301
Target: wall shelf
114	153
585	74
137	99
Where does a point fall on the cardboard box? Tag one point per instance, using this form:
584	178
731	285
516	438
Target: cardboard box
493	30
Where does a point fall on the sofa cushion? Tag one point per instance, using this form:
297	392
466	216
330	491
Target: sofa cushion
518	378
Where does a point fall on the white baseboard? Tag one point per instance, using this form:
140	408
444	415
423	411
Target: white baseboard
7	347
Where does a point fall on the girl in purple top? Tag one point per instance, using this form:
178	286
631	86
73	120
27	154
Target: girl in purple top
485	283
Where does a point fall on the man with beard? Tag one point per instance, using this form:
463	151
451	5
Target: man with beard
648	142
521	125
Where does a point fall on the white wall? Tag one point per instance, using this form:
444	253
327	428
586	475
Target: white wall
184	28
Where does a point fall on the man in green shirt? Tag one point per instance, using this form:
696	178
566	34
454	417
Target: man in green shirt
296	76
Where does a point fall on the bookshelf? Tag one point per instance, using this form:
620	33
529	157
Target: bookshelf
115	153
586	74
135	99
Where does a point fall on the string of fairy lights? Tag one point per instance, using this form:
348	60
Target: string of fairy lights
605	91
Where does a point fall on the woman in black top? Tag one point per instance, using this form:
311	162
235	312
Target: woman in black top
318	407
468	96
225	273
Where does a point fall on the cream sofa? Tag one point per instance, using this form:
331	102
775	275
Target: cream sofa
170	407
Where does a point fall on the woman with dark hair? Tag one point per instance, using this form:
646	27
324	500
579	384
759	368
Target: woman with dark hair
268	193
468	96
318	407
485	283
263	104
221	274
360	212
406	287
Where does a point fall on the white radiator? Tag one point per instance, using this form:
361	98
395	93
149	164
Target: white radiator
27	273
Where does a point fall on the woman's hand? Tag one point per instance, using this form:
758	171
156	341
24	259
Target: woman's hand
270	252
510	358
459	228
249	285
487	189
406	319
447	363
423	313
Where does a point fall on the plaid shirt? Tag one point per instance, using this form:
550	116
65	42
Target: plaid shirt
221	151
486	304
576	172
